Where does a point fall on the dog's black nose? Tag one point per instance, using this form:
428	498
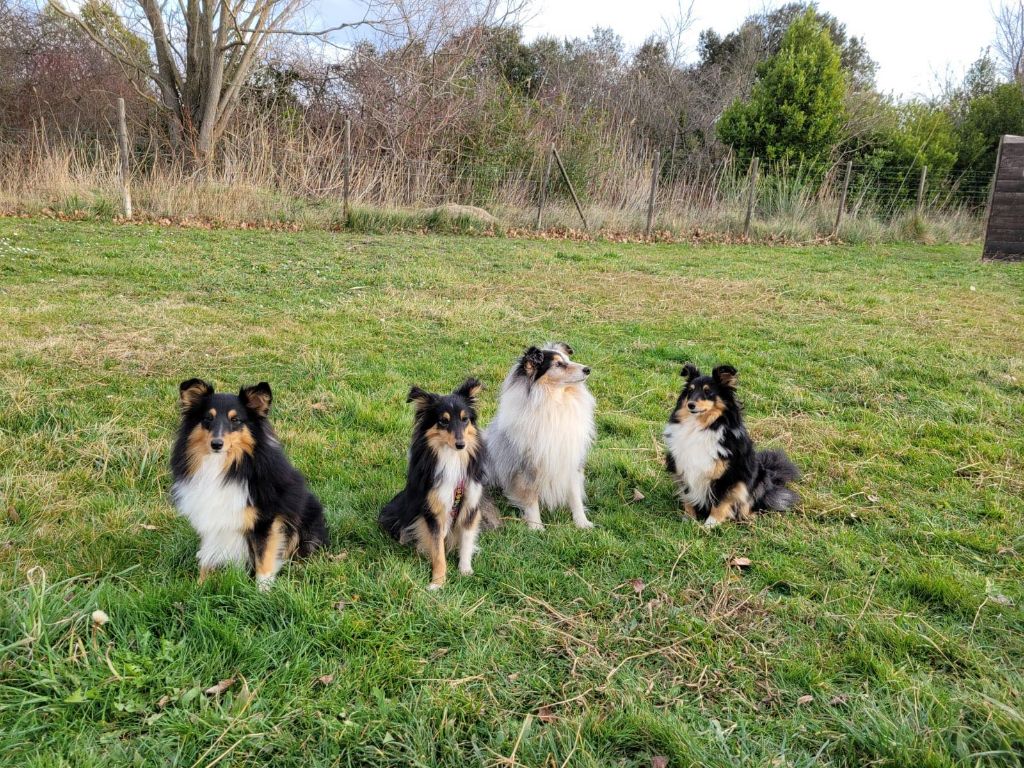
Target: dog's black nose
459	445
216	443
586	370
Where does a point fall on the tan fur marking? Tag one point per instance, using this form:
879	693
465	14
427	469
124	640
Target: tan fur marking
267	560
438	562
291	546
718	469
204	573
192	396
232	413
258	402
714	409
438	438
197	448
690	509
735	505
248	518
236	445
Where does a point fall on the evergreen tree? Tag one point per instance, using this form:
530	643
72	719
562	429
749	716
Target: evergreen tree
795	112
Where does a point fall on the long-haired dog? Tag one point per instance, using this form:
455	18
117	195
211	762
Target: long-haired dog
443	502
233	483
539	439
712	458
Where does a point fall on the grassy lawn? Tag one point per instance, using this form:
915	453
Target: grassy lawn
881	623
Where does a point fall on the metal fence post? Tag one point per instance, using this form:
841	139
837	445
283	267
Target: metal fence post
755	166
122	140
544	187
842	198
655	170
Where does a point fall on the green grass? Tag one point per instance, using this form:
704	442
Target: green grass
893	375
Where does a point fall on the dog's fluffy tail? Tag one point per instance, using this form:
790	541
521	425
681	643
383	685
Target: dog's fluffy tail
392	517
775	471
489	517
313	534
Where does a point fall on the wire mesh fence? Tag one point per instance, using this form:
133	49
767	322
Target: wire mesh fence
322	168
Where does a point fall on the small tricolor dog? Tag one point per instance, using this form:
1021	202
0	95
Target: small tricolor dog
233	483
443	502
538	442
712	458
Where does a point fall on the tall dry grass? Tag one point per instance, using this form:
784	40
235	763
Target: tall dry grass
293	173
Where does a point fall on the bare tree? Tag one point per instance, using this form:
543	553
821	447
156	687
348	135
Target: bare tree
197	55
1009	42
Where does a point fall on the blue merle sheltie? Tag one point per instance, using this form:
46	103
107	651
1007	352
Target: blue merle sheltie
538	443
443	502
233	483
712	458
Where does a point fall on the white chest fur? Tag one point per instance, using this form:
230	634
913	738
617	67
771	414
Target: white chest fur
450	473
216	508
553	427
696	452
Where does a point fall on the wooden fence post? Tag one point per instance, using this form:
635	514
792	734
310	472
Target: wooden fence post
565	175
122	140
920	190
544	188
842	198
655	171
347	187
672	158
755	166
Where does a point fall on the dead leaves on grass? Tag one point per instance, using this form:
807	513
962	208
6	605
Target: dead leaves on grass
219	688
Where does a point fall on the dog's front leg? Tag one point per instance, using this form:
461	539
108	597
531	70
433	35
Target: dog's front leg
579	512
736	499
269	546
470	528
436	524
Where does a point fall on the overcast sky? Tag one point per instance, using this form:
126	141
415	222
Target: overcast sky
913	41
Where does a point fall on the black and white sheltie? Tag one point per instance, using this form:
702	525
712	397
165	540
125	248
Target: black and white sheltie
233	483
537	444
712	458
443	502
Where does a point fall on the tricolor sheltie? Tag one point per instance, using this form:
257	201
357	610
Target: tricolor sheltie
443	502
712	458
233	483
539	439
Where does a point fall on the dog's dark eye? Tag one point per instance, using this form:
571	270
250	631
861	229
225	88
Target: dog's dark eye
464	419
234	419
563	365
207	420
444	422
706	389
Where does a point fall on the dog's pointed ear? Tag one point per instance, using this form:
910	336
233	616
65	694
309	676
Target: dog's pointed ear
560	346
725	375
257	399
192	392
420	398
532	359
470	389
690	372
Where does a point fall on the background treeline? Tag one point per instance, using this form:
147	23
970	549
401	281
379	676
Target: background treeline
448	102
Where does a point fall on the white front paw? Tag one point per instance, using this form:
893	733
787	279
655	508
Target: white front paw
710	523
583	523
433	587
535	525
264	583
466	570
